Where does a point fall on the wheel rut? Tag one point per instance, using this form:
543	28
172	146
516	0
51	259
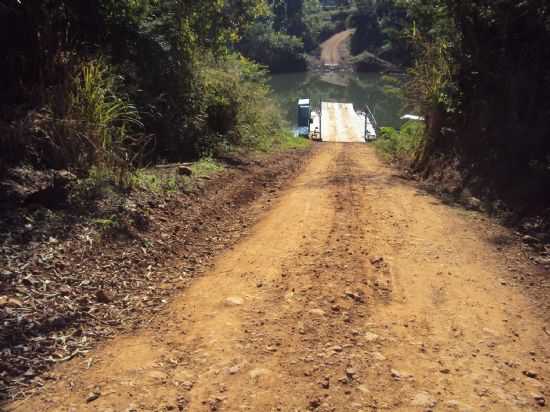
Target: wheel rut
356	292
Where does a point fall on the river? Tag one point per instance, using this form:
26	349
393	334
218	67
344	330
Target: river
344	86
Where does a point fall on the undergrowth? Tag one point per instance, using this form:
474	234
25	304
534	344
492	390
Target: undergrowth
168	181
206	166
285	140
403	144
240	108
91	125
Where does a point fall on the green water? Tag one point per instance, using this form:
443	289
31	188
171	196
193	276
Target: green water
343	87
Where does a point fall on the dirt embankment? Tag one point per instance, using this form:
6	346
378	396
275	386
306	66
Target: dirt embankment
336	55
354	291
522	205
335	51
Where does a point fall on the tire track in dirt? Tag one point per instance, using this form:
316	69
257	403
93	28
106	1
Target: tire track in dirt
355	292
455	335
206	326
318	352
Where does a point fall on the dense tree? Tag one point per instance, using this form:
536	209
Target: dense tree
298	18
277	50
382	28
480	74
368	34
503	57
153	51
281	37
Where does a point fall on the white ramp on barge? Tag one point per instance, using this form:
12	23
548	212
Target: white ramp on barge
341	123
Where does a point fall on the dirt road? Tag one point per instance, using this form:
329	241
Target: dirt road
356	291
333	50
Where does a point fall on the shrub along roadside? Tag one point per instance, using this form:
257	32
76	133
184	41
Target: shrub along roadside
104	89
116	85
403	144
89	127
238	115
239	106
92	124
167	181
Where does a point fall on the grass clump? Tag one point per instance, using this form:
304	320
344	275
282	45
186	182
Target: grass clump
169	181
206	166
286	140
403	144
152	181
91	125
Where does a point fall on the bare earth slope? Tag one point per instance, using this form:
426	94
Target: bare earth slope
355	292
333	50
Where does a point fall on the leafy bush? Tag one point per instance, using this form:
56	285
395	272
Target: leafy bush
402	144
239	108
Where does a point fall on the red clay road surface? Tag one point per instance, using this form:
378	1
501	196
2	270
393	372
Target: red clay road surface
355	291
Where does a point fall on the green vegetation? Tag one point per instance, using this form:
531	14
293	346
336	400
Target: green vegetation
205	167
240	109
478	71
402	144
276	50
382	33
334	20
102	88
153	181
281	38
89	123
165	181
286	140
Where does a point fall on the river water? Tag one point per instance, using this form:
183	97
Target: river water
343	87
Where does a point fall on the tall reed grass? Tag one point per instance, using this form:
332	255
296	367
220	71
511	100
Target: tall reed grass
92	124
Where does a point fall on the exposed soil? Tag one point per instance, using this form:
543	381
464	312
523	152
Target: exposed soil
67	282
355	291
521	205
335	51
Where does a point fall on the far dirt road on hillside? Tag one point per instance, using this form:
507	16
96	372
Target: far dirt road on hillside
355	292
333	50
